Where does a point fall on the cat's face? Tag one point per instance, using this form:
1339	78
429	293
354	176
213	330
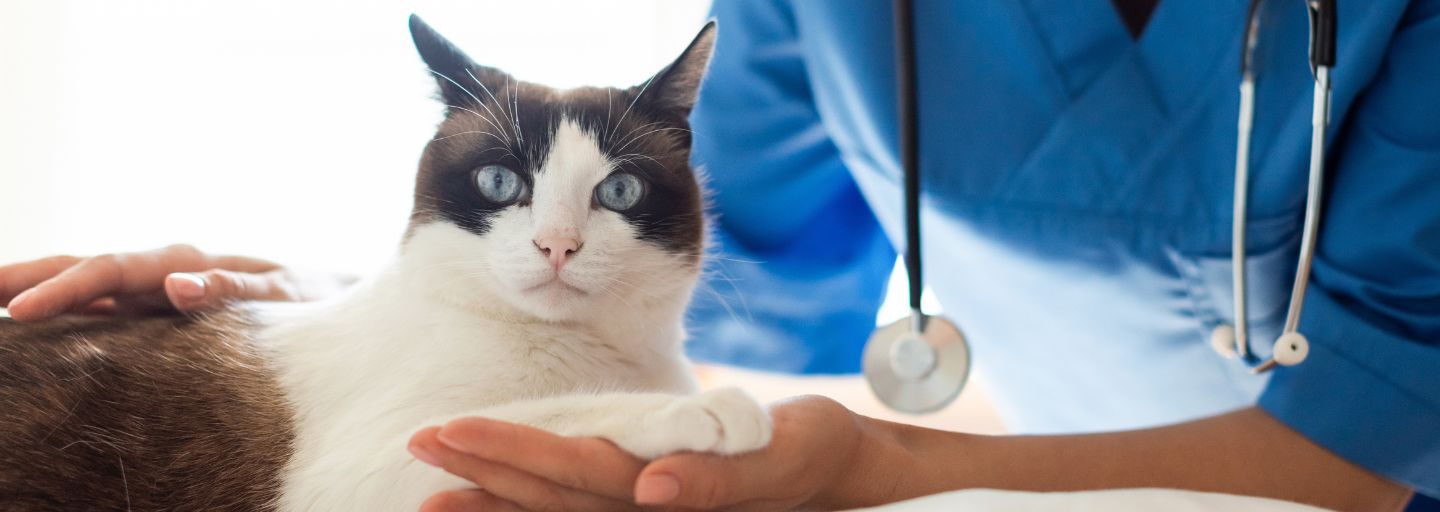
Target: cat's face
560	203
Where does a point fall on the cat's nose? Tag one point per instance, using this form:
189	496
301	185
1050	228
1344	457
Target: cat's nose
558	249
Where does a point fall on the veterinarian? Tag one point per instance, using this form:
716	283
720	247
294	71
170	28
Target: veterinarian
1077	166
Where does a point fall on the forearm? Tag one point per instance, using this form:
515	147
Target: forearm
1245	452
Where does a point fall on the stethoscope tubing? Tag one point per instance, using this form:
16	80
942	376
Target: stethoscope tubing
1322	60
908	118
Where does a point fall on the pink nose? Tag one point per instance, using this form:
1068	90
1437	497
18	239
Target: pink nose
557	249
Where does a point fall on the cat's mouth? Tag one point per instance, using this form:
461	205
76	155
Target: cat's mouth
556	284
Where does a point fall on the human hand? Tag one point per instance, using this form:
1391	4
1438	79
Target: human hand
811	462
516	467
175	278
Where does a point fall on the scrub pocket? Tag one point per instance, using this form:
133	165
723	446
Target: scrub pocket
1270	276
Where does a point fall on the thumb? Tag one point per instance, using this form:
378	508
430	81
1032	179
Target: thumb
212	288
700	481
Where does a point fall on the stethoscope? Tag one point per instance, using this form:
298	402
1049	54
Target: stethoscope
920	364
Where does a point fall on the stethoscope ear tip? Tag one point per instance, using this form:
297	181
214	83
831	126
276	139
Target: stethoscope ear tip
1222	340
1291	349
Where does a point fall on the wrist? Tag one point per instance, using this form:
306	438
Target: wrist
874	473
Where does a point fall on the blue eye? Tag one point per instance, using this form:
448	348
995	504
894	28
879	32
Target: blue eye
620	191
498	184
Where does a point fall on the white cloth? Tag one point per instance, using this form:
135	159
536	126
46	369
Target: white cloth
1169	500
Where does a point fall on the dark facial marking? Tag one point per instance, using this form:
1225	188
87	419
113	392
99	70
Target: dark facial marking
493	118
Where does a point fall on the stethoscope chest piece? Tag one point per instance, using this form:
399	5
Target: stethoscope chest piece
917	371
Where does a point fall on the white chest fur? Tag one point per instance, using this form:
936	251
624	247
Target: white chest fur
367	371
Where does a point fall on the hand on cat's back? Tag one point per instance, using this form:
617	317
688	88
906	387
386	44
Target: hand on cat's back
808	460
174	278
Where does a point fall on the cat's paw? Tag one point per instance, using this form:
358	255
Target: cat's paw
724	421
744	424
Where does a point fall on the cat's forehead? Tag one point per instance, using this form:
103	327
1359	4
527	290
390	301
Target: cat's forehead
575	157
526	121
571	168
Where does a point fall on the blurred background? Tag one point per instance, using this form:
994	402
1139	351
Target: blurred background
290	130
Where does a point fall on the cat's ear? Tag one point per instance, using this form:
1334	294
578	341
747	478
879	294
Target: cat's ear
673	89
460	79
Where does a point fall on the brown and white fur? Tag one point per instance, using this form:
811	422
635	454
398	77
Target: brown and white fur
553	310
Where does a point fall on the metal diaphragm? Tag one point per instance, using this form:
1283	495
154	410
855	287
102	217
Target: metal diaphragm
917	373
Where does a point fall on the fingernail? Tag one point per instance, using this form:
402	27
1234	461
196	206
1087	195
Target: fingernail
20	298
453	443
189	286
424	455
657	489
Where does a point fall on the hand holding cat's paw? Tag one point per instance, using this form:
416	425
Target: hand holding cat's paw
808	463
724	421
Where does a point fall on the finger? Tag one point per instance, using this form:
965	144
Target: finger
102	307
590	464
243	264
19	277
527	490
469	500
105	276
702	481
211	288
73	288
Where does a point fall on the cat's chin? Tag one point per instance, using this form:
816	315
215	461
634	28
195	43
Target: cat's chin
554	300
556	292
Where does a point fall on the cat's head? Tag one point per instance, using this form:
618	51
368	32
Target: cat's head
560	203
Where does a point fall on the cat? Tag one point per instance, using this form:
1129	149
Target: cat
555	239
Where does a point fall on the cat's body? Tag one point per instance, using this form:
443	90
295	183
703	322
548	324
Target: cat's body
96	414
551	297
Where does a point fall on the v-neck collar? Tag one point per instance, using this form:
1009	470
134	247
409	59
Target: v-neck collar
1081	39
1182	44
1138	97
1135	14
1186	45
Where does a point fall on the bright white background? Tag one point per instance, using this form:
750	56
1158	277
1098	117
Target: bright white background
288	130
283	129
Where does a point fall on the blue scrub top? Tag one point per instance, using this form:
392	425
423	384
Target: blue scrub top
1077	207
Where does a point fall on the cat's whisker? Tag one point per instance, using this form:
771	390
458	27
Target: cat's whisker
714	273
515	110
642	136
498	104
719	297
488	119
617	296
632	140
472	132
472	95
643	88
632	156
613	279
736	260
643	290
627	286
710	277
625	139
609	102
438	199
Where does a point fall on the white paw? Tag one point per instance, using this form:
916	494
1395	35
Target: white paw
725	421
